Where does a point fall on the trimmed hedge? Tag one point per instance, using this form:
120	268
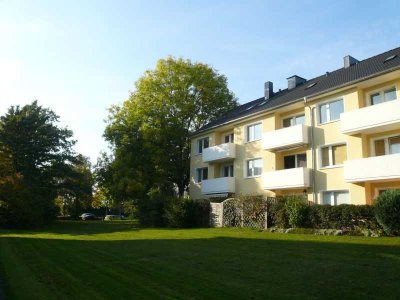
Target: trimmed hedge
387	211
294	211
187	213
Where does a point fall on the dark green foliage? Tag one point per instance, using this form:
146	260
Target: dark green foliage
151	209
35	156
293	211
296	209
184	212
387	211
277	214
342	216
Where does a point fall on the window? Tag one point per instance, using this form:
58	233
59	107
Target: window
295	161
202	144
254	167
229	138
333	155
254	132
383	96
292	121
330	111
382	190
202	174
335	197
388	145
228	171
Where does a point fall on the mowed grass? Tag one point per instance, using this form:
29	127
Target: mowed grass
118	260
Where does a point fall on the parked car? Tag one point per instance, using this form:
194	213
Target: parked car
114	217
88	216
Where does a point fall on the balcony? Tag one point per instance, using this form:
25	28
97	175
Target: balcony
376	168
287	179
371	119
286	138
219	153
218	185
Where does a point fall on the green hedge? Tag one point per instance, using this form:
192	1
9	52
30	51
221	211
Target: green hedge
295	211
387	211
187	213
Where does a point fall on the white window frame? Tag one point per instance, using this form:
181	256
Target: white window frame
385	139
202	141
328	115
227	165
295	159
321	197
247	132
331	166
294	116
381	91
378	189
246	165
197	178
231	137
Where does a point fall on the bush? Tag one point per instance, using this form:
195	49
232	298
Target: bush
387	211
342	216
277	214
296	210
293	211
151	209
187	213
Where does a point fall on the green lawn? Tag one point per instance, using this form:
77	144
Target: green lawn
97	260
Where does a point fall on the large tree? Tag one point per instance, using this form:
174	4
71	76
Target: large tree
150	132
36	156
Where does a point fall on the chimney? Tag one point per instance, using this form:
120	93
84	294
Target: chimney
268	90
294	81
349	61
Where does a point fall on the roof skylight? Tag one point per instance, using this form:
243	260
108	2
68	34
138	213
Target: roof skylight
311	85
390	58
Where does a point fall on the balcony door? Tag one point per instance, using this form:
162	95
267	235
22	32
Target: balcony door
295	161
227	171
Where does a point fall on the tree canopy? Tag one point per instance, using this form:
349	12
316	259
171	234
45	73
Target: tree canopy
150	132
36	159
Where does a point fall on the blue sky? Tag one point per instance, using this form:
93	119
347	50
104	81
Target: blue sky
80	57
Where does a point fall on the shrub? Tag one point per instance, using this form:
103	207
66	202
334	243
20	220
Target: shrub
342	216
296	210
151	209
187	213
276	213
387	211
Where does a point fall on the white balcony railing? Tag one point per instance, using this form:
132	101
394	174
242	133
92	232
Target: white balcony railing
372	168
287	179
285	138
218	185
375	118
219	153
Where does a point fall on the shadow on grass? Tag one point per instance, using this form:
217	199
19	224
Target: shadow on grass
212	268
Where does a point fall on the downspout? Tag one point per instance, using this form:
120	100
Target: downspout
312	149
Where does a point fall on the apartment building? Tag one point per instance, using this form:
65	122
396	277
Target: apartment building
334	138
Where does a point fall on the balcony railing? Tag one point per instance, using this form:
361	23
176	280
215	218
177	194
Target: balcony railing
286	138
287	179
219	153
375	118
385	167
218	185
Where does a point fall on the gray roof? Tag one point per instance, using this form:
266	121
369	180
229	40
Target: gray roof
364	69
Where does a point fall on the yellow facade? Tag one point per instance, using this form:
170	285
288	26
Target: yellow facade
326	137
